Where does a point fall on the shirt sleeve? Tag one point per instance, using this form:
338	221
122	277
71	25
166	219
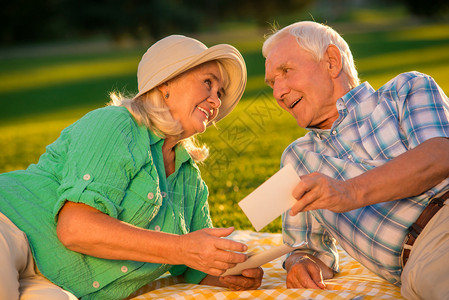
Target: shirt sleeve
101	157
304	227
423	109
200	219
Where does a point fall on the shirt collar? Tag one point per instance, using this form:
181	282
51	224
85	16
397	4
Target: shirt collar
348	102
181	153
355	96
154	138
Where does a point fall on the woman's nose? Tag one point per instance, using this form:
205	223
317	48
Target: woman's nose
215	101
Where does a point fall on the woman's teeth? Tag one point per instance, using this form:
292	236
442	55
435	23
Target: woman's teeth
204	111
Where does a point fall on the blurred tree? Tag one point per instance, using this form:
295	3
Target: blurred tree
29	21
428	8
262	11
25	20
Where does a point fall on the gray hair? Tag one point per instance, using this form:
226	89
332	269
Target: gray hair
316	38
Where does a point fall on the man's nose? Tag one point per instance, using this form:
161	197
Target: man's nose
280	90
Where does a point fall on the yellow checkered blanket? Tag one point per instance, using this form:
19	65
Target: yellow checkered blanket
353	282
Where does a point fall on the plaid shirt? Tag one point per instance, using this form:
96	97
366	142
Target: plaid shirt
373	127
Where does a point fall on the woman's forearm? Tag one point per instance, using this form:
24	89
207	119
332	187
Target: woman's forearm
84	229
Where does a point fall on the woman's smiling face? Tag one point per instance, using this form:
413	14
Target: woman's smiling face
194	97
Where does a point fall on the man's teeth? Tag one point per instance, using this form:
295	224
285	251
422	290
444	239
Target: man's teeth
296	102
204	111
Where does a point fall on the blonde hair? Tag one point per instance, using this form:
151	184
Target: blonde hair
316	38
151	110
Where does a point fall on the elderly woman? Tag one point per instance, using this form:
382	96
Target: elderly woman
117	200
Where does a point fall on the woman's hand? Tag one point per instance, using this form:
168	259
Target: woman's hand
250	279
205	250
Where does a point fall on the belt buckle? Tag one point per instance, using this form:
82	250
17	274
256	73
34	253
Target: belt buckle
405	247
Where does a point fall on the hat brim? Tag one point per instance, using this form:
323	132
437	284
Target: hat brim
229	57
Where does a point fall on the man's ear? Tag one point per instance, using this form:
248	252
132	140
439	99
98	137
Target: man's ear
335	63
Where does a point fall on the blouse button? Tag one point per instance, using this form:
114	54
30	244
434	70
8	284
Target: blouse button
124	269
96	284
150	196
86	177
164	194
157	228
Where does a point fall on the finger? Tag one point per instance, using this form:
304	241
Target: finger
299	190
309	283
317	278
238	282
220	232
220	265
253	273
293	282
225	259
301	277
213	271
226	244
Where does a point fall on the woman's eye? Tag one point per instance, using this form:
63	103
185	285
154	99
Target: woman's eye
208	82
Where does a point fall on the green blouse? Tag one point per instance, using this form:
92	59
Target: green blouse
105	160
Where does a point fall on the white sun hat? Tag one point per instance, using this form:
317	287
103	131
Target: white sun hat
176	54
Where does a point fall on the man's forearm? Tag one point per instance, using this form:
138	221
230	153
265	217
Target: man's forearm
409	174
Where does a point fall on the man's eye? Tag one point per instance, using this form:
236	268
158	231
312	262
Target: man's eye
219	95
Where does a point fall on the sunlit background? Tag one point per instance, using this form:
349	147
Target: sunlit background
61	58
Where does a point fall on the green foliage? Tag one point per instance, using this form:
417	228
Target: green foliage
41	94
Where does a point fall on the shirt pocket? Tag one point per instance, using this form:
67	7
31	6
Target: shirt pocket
142	201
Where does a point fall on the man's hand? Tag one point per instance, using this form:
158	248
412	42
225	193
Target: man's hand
318	191
306	271
409	174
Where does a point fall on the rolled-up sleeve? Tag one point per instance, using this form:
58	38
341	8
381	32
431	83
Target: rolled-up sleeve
102	157
423	109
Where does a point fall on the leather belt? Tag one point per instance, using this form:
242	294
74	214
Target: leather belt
432	208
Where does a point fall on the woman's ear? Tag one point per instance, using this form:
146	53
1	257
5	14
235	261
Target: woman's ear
335	64
164	89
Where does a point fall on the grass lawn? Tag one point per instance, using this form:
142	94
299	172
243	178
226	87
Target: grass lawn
41	93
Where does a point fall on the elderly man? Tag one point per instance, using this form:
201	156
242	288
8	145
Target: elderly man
374	166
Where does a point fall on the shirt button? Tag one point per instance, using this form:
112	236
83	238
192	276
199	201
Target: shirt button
334	132
349	156
86	177
150	196
124	269
96	284
164	194
157	228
